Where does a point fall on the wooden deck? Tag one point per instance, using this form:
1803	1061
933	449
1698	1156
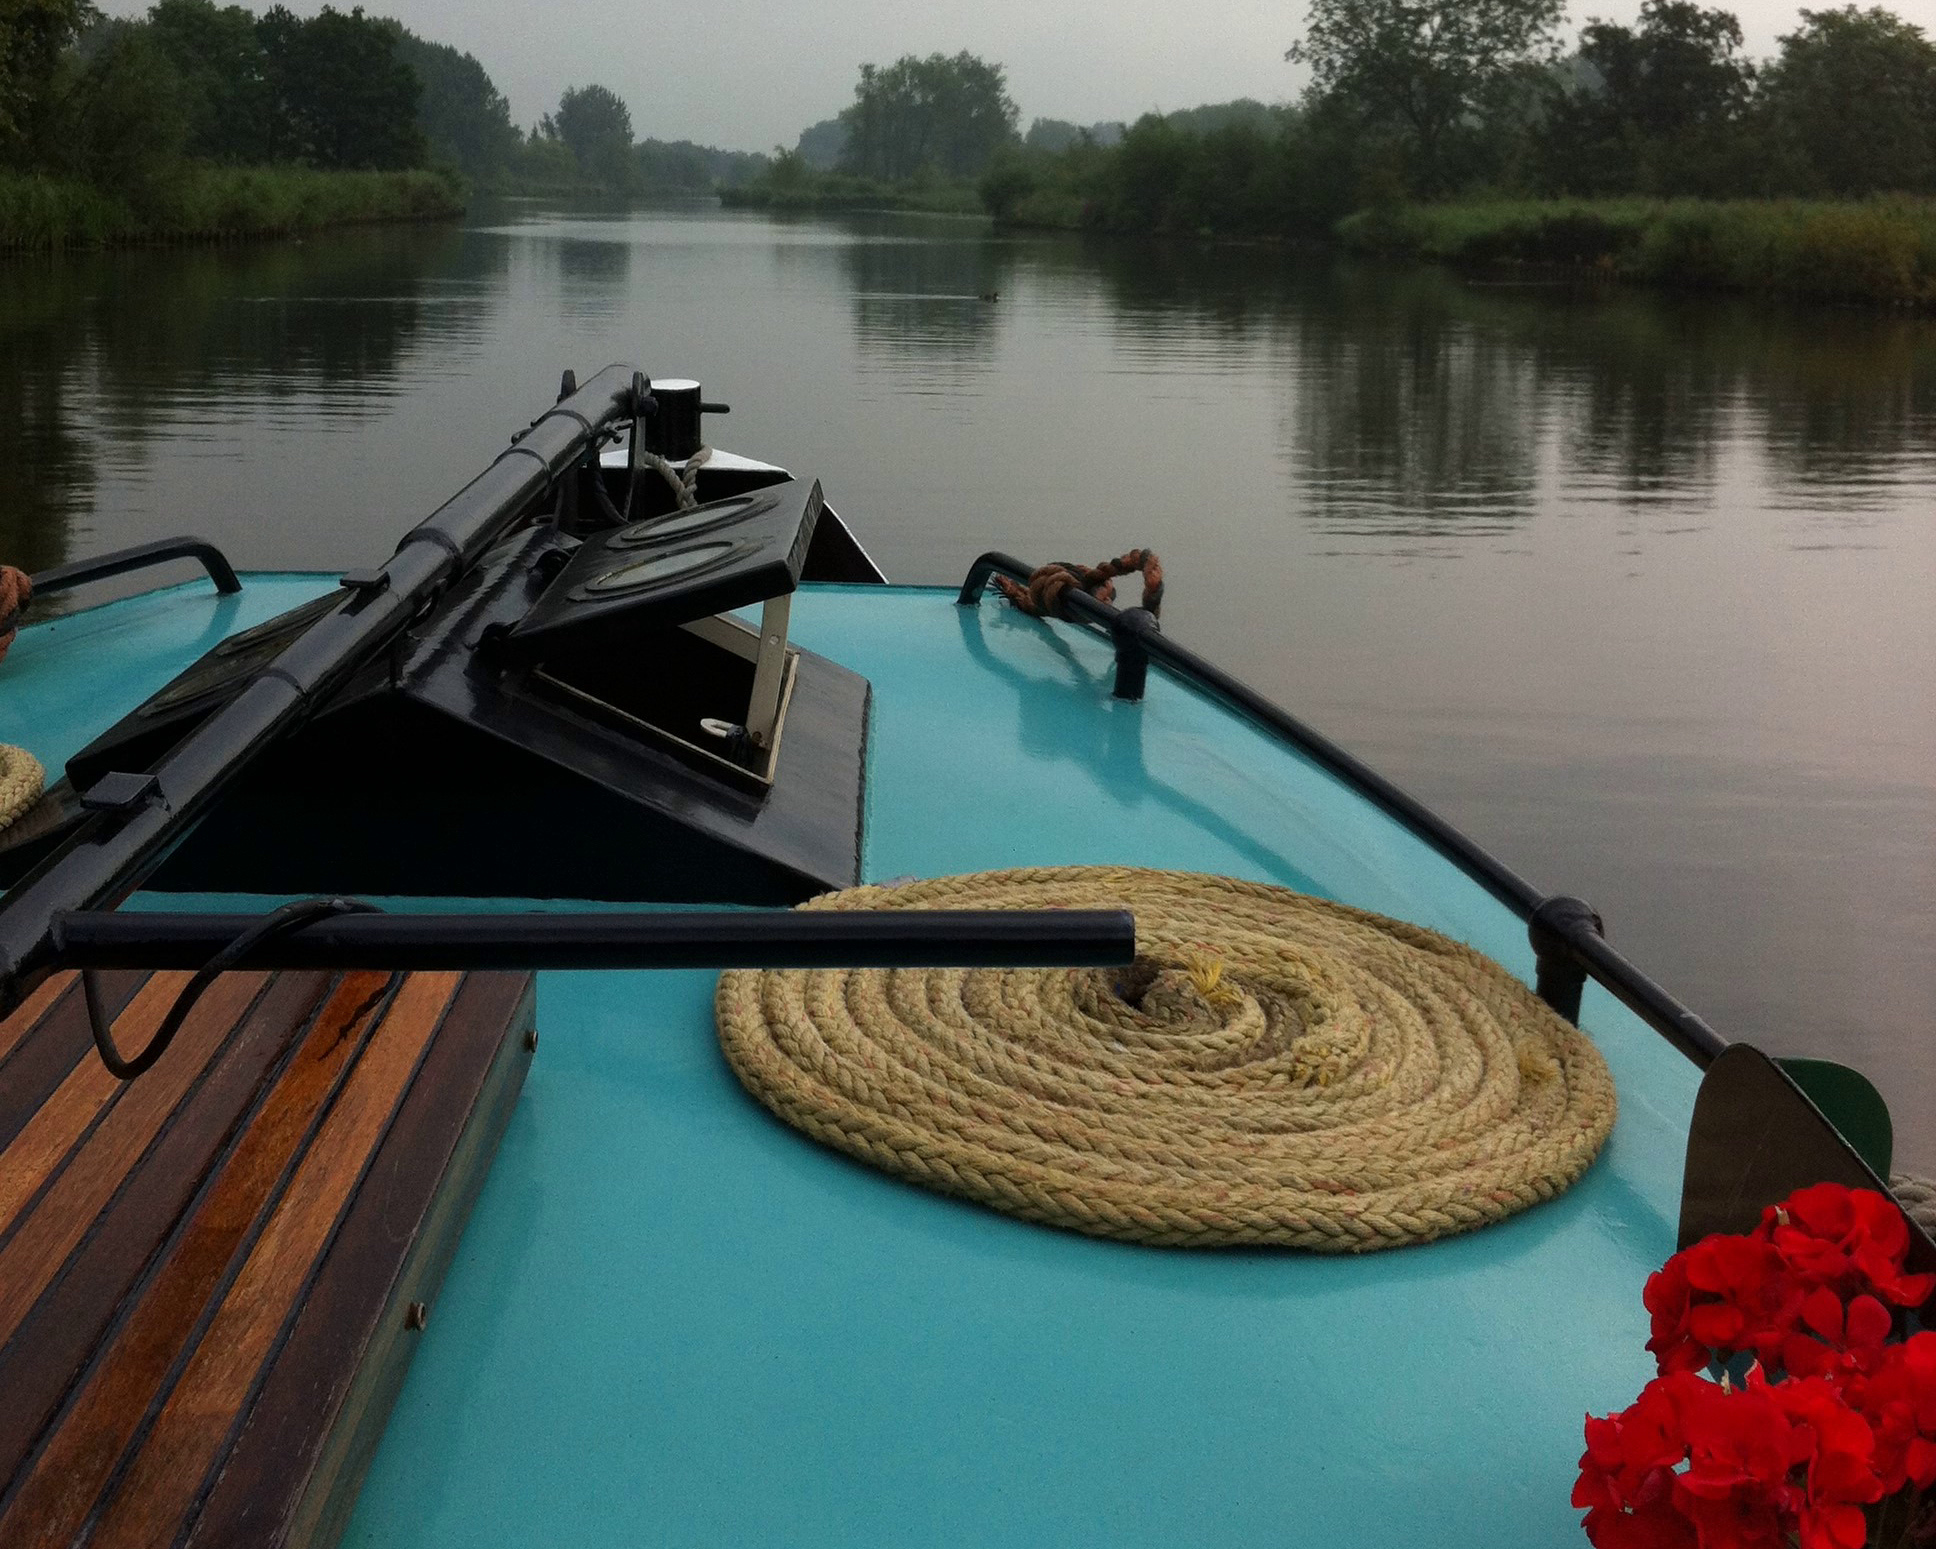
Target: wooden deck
211	1277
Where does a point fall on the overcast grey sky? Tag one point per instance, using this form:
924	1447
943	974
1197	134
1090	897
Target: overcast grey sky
750	74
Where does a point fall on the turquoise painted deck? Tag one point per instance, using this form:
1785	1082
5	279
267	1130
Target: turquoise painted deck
673	1321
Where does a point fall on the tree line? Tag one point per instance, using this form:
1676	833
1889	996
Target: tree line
1440	99
126	104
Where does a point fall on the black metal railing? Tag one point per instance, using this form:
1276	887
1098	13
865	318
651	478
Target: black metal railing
143	556
1566	935
693	938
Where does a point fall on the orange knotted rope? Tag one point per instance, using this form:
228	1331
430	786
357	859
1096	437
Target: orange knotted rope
16	591
1042	597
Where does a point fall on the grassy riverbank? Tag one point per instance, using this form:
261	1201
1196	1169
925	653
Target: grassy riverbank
803	189
208	203
1880	251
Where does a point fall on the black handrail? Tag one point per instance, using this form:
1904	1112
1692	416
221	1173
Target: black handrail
1565	933
714	938
143	556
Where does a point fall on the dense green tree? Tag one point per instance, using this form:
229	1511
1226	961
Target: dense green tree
216	52
545	161
464	117
686	167
1655	108
1056	134
343	97
1433	72
118	114
33	34
596	126
1851	104
1212	116
820	145
942	114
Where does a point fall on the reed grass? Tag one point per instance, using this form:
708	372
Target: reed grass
1878	251
205	203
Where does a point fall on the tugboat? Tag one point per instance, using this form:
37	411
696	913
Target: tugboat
1154	1128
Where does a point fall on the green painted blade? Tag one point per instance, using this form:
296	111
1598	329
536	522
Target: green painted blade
1849	1101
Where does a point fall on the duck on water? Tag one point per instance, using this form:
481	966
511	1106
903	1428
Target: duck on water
1156	1128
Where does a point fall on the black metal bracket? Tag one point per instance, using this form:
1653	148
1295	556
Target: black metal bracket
120	790
1553	927
143	556
1130	629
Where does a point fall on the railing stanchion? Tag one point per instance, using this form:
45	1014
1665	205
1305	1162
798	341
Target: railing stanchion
1552	929
1128	629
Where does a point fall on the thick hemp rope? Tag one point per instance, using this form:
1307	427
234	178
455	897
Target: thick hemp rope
16	591
1048	584
21	777
21	780
1274	1070
1917	1196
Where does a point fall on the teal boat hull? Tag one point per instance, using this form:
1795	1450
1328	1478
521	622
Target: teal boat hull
672	1320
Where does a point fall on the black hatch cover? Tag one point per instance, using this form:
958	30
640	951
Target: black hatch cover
673	569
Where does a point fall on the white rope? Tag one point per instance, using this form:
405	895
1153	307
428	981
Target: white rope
682	484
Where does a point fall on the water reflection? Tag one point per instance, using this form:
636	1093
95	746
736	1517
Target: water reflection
108	353
925	301
46	462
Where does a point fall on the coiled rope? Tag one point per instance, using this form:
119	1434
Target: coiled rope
21	780
16	591
1276	1069
1917	1196
1047	586
21	776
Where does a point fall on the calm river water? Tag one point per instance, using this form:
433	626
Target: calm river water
1638	590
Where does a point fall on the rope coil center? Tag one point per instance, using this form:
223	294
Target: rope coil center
1275	1069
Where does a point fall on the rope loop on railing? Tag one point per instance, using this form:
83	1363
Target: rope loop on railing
1049	585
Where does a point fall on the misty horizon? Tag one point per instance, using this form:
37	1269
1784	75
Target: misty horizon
1079	62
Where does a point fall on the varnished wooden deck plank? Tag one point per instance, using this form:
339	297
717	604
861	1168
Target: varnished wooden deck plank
319	1414
46	1140
70	1474
203	1272
51	1346
166	1477
97	1166
32	1009
47	1050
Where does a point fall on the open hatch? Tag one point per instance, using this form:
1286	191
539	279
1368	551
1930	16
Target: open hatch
615	716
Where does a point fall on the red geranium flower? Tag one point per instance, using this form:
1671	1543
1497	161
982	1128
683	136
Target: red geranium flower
1722	1295
1840	1461
1851	1240
1899	1403
1848	1422
1845	1339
